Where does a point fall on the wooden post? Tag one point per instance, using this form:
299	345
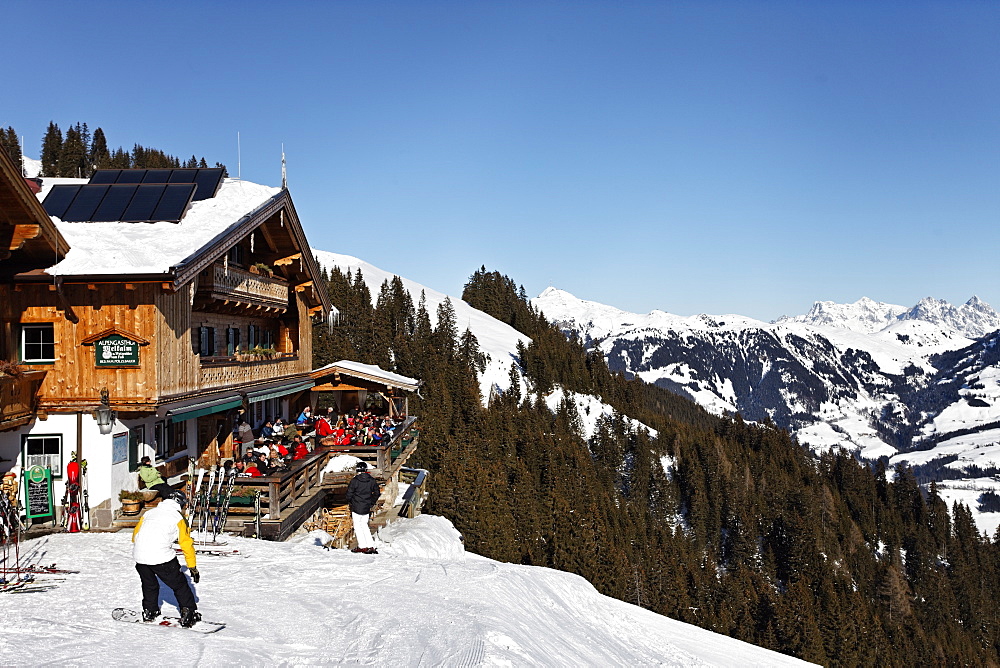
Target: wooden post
274	501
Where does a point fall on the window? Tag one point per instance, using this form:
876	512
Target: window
136	439
237	256
160	440
206	341
232	340
253	336
176	438
266	338
38	343
44	451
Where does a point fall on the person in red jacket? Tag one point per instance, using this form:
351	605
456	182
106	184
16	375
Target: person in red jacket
323	428
299	448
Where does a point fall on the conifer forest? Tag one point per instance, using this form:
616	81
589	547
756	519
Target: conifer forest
78	152
727	525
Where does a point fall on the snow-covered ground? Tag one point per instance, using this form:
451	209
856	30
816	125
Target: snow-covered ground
422	601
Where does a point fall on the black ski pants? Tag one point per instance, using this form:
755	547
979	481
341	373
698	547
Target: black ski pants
170	573
163	488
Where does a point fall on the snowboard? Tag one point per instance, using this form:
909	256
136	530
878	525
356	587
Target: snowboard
131	616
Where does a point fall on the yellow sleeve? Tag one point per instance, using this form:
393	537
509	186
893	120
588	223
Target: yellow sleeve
187	545
136	529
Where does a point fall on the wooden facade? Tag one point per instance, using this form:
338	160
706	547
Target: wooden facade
233	318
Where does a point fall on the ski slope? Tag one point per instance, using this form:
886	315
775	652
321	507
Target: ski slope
423	601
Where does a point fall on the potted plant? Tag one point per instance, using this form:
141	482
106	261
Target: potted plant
132	502
242	496
262	268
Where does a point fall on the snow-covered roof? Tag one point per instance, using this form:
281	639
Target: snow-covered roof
153	248
369	372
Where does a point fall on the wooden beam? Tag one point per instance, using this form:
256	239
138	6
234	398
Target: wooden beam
287	260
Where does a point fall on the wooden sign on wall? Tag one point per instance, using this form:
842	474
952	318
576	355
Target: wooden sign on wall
116	351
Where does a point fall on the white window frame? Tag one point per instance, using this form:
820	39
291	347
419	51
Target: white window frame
52	460
39	326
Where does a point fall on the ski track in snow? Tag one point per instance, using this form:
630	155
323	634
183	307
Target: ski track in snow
422	601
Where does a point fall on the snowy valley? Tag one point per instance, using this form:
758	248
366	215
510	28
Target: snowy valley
916	385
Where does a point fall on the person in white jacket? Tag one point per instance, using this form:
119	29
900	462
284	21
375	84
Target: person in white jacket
153	550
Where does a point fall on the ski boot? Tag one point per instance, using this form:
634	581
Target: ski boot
150	615
189	617
370	550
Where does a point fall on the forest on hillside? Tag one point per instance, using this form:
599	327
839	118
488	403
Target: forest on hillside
78	152
714	521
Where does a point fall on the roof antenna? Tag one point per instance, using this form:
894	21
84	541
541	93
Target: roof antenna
239	170
284	174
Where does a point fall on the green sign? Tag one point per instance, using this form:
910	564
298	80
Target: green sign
38	492
116	350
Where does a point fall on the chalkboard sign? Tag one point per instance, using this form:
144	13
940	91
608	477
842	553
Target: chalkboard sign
38	492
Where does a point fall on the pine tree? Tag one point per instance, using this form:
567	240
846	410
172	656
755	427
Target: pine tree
100	156
52	144
10	144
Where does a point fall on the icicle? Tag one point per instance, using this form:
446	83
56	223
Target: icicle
252	235
332	318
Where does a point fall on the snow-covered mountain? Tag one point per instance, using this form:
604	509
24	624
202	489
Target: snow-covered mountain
422	601
831	367
973	319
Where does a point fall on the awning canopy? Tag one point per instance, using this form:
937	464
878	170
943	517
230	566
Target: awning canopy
280	391
204	408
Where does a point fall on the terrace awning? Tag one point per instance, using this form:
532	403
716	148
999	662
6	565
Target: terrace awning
280	391
204	408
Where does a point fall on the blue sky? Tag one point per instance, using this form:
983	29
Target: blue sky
694	157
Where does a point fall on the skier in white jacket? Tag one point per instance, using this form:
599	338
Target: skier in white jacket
153	550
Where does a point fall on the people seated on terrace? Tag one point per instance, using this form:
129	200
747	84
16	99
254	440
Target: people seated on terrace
323	428
277	427
299	448
305	418
266	430
247	469
289	433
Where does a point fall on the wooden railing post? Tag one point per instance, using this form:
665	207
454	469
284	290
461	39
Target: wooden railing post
274	500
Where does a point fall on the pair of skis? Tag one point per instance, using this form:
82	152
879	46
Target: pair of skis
211	503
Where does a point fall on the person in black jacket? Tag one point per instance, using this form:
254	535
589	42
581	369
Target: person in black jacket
362	493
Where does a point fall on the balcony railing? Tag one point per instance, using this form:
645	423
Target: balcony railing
19	398
231	283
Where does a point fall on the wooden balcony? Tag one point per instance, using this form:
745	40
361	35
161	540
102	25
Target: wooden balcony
228	371
19	398
233	286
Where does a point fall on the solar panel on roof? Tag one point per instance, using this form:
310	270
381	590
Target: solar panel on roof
85	203
112	207
105	176
144	202
174	201
156	175
182	176
131	176
59	199
208	181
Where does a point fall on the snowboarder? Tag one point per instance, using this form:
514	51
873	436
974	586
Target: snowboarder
362	493
153	551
